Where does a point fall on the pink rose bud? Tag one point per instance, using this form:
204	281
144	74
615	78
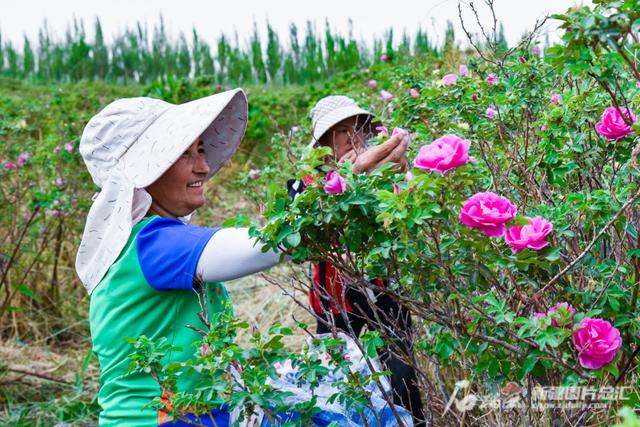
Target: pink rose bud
474	97
22	158
219	87
444	154
637	84
74	202
204	350
522	60
555	99
450	79
543	127
414	92
562	314
612	126
69	147
399	131
529	236
491	79
384	57
396	189
372	83
488	212
56	148
386	96
10	165
539	316
334	183
463	70
382	131
597	342
490	113
535	50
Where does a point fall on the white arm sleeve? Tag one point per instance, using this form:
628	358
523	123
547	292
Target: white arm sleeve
231	254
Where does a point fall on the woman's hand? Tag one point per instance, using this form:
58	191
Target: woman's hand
391	151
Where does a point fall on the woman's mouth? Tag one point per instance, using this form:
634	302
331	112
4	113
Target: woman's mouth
196	184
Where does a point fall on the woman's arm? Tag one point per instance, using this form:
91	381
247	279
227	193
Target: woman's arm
231	254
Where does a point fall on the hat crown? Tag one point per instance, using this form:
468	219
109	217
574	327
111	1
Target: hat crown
329	104
111	132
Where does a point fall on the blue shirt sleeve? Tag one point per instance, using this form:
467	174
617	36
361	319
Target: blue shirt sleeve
168	252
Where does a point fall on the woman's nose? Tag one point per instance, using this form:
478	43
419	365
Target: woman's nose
201	165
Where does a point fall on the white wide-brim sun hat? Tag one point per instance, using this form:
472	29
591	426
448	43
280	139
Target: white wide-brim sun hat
331	110
128	145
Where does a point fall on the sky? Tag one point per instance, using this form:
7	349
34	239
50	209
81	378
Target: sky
212	17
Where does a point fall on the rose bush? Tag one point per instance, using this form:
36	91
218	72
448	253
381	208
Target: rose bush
563	197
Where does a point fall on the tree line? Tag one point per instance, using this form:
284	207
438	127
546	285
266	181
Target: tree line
140	55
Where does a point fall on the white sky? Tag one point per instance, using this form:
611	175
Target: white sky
210	18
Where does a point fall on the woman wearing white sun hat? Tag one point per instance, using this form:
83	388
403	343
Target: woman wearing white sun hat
339	123
139	258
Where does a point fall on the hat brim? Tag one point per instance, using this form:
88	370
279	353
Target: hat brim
336	116
219	120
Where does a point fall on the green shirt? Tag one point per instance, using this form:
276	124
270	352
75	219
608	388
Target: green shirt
125	304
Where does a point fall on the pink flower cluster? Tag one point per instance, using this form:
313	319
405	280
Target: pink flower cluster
613	126
444	154
597	342
489	212
334	183
529	236
561	315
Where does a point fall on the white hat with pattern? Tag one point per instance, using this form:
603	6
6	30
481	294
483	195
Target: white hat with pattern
129	145
330	111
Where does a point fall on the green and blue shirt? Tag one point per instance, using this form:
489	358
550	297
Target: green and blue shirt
149	290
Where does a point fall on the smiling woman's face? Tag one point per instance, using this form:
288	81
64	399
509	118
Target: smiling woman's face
179	191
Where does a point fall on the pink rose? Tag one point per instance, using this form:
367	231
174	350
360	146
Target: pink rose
56	148
10	165
463	70
490	113
539	316
22	158
597	342
400	131
386	96
450	79
414	92
396	189
530	236
204	350
474	97
334	183
488	212
612	126
491	79
372	83
522	60
69	147
562	314
384	57
382	131
555	99
444	154
535	50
